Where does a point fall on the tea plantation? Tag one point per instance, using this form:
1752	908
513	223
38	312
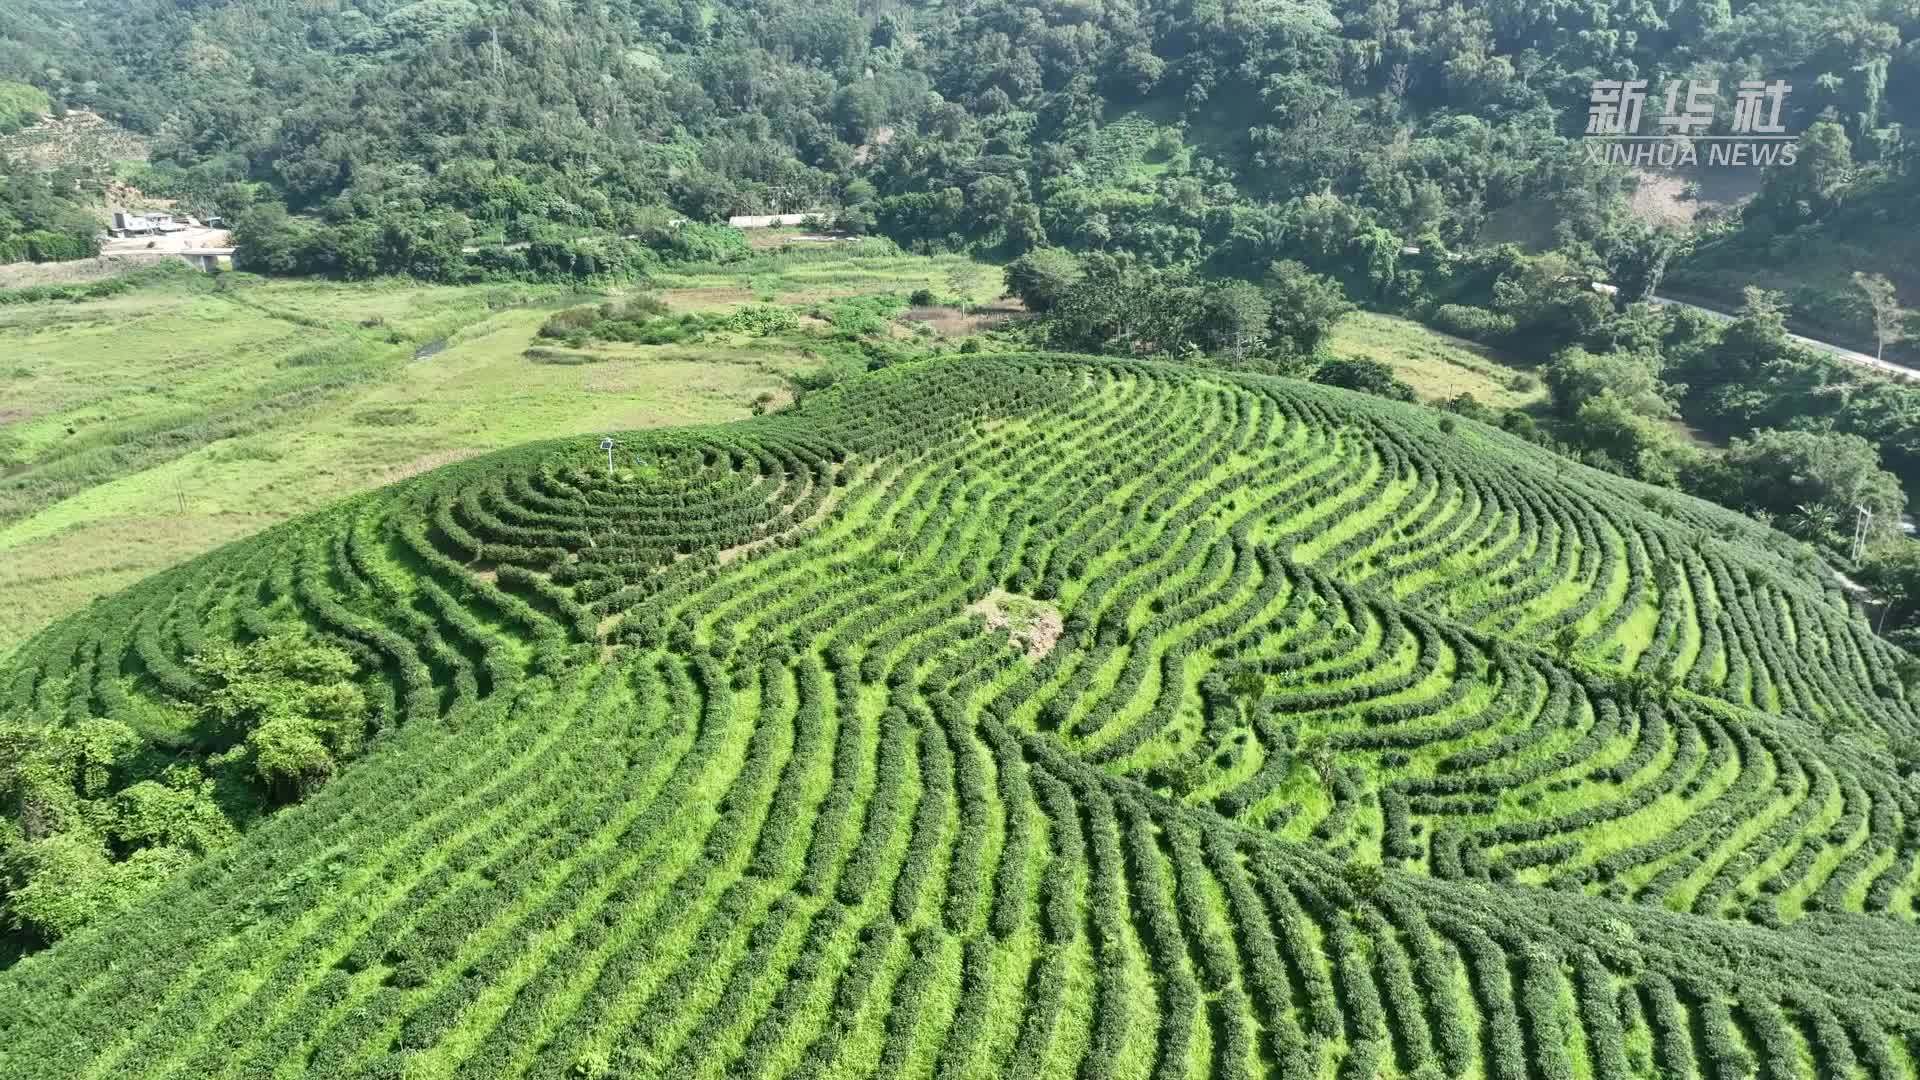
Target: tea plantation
1023	716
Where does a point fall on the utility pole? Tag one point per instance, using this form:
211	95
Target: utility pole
1862	523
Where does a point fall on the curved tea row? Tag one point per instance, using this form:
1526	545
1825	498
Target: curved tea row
1026	716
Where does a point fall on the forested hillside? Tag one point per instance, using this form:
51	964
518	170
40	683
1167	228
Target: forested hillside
1807	237
44	219
1182	133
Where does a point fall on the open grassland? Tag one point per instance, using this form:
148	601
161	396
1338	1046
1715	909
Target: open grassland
140	430
1437	366
801	272
1364	749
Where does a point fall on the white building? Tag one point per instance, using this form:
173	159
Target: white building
767	221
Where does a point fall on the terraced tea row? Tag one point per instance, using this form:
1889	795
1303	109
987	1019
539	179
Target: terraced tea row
1033	716
658	867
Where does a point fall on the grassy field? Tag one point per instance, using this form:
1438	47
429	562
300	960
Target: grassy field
1335	742
1437	366
143	429
803	272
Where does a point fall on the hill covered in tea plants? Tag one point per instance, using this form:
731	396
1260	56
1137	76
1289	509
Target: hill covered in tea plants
1022	715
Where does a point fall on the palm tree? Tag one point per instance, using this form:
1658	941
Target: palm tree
1816	522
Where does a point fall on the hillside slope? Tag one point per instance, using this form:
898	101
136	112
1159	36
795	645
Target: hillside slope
401	134
713	766
1871	228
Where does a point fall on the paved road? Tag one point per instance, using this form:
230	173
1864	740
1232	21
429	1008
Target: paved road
1852	357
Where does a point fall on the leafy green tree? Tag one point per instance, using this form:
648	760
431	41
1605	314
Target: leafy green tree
1576	376
1366	375
58	884
289	754
1781	472
269	241
1304	306
291	702
1550	300
1889	320
1041	277
1233	319
1811	187
54	884
51	772
1623	439
1638	258
1816	523
176	811
44	217
1119	305
1891	570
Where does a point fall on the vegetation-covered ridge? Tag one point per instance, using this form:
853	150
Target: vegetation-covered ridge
712	766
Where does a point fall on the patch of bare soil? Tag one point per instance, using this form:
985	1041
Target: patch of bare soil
82	140
864	152
706	299
192	238
1033	624
1679	197
21	275
775	239
957	322
428	462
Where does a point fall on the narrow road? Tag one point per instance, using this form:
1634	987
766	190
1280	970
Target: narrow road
1852	357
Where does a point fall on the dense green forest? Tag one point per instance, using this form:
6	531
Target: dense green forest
1191	133
44	218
